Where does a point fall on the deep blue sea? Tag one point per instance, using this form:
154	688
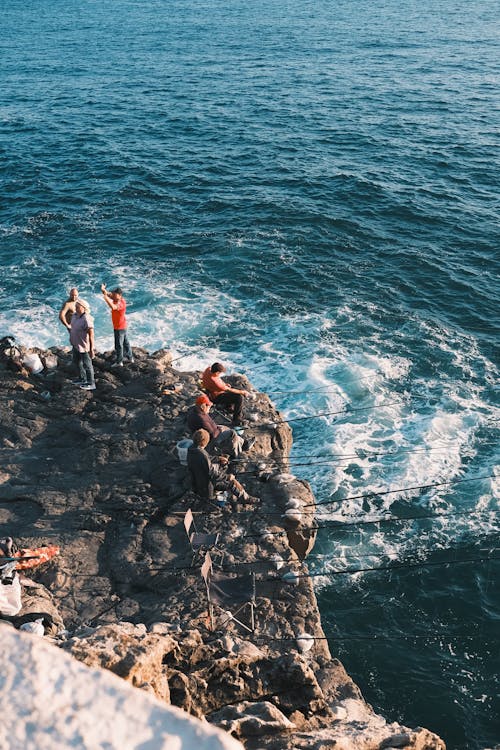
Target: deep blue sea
307	191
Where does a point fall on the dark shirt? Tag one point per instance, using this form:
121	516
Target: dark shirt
202	471
198	420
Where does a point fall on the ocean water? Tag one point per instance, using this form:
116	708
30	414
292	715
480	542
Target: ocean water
309	192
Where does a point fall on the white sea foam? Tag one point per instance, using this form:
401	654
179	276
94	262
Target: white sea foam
371	444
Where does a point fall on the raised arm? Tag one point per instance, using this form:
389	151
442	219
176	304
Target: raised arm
108	299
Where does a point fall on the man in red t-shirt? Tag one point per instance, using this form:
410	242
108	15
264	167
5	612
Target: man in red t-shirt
118	306
222	393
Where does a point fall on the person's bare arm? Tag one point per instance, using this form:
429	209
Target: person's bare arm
237	390
62	315
107	298
228	388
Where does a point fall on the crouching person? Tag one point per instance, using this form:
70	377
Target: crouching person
208	475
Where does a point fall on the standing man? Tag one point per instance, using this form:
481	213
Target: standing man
222	393
68	309
81	335
118	306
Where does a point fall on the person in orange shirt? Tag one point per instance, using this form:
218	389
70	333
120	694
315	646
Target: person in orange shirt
222	393
118	306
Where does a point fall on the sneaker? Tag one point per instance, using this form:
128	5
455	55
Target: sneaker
88	387
248	444
117	364
79	382
131	360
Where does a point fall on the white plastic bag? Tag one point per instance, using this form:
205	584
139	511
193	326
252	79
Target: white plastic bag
33	363
10	597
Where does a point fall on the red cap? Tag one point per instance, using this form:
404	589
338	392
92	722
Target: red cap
203	400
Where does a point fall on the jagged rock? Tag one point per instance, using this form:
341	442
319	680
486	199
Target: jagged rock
128	651
252	719
396	740
242	648
162	359
50	700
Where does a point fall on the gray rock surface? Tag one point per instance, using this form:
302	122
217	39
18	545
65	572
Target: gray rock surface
97	472
52	701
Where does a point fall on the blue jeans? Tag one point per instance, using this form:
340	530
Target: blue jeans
85	367
122	345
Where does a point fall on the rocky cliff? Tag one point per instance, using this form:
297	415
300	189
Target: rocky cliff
98	473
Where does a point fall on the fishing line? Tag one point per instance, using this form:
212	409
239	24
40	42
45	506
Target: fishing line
369	453
378	494
345	412
401	489
325	523
297	576
334	636
339	525
361	462
333	457
403	566
190	354
331	387
380	554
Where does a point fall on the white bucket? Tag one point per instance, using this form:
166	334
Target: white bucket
182	450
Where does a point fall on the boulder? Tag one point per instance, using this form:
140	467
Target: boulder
51	700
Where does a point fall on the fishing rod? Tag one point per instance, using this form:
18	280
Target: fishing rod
190	354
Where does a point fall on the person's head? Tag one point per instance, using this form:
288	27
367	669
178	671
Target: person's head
201	438
82	306
203	403
117	293
73	294
217	367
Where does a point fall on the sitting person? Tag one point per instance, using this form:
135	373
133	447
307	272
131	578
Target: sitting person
222	393
207	476
198	418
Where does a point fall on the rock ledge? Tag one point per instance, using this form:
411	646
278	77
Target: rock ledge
98	473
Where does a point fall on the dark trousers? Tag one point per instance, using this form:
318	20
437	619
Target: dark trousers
232	399
122	345
85	367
